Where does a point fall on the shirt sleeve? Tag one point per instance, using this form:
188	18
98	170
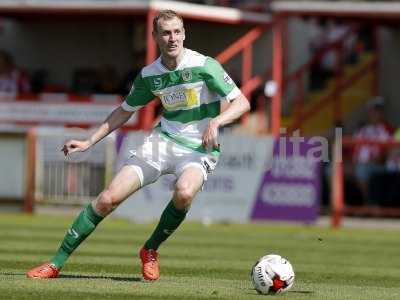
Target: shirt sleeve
138	96
218	81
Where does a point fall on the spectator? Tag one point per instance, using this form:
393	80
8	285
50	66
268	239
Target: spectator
12	80
384	186
335	32
370	159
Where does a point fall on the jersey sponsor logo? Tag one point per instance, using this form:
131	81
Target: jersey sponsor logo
227	79
180	99
174	99
187	75
158	83
73	233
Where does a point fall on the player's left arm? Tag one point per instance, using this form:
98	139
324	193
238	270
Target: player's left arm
235	110
218	81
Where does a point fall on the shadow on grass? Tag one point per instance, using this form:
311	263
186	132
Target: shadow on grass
11	274
76	276
290	292
301	292
116	278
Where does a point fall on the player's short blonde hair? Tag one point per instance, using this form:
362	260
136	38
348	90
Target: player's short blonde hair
165	15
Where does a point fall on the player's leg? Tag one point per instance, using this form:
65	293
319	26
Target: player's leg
125	183
186	188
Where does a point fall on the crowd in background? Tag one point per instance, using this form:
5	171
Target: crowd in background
373	171
103	79
334	43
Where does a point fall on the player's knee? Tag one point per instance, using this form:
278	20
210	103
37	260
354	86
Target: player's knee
184	196
105	203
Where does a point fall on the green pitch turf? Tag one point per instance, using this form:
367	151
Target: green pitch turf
198	262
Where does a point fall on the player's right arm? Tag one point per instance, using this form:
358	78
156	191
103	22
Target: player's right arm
138	97
115	120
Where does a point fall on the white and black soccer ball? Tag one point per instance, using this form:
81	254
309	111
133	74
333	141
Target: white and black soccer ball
272	274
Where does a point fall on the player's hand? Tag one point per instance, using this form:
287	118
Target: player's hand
210	135
75	146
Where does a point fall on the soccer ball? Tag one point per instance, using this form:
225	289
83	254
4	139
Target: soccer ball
272	274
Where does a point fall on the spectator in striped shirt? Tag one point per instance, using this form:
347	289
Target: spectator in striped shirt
12	80
370	159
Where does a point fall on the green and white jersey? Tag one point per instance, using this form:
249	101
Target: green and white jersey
190	95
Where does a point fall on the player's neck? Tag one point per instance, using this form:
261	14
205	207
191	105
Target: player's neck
171	63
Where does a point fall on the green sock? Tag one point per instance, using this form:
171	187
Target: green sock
170	219
83	225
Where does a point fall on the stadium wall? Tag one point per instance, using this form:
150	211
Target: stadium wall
13	165
389	71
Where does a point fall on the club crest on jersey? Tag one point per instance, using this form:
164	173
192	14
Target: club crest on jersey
157	83
227	79
187	75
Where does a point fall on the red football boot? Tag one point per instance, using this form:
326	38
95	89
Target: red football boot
46	270
150	268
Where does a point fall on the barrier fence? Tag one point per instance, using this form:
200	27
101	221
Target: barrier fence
56	180
341	170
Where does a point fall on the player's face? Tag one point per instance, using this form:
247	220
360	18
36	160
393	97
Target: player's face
169	37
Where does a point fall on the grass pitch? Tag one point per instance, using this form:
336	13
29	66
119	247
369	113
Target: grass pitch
198	262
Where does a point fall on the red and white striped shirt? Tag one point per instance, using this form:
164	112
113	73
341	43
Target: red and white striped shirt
377	132
13	83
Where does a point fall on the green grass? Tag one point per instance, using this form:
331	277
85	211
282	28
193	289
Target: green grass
198	262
